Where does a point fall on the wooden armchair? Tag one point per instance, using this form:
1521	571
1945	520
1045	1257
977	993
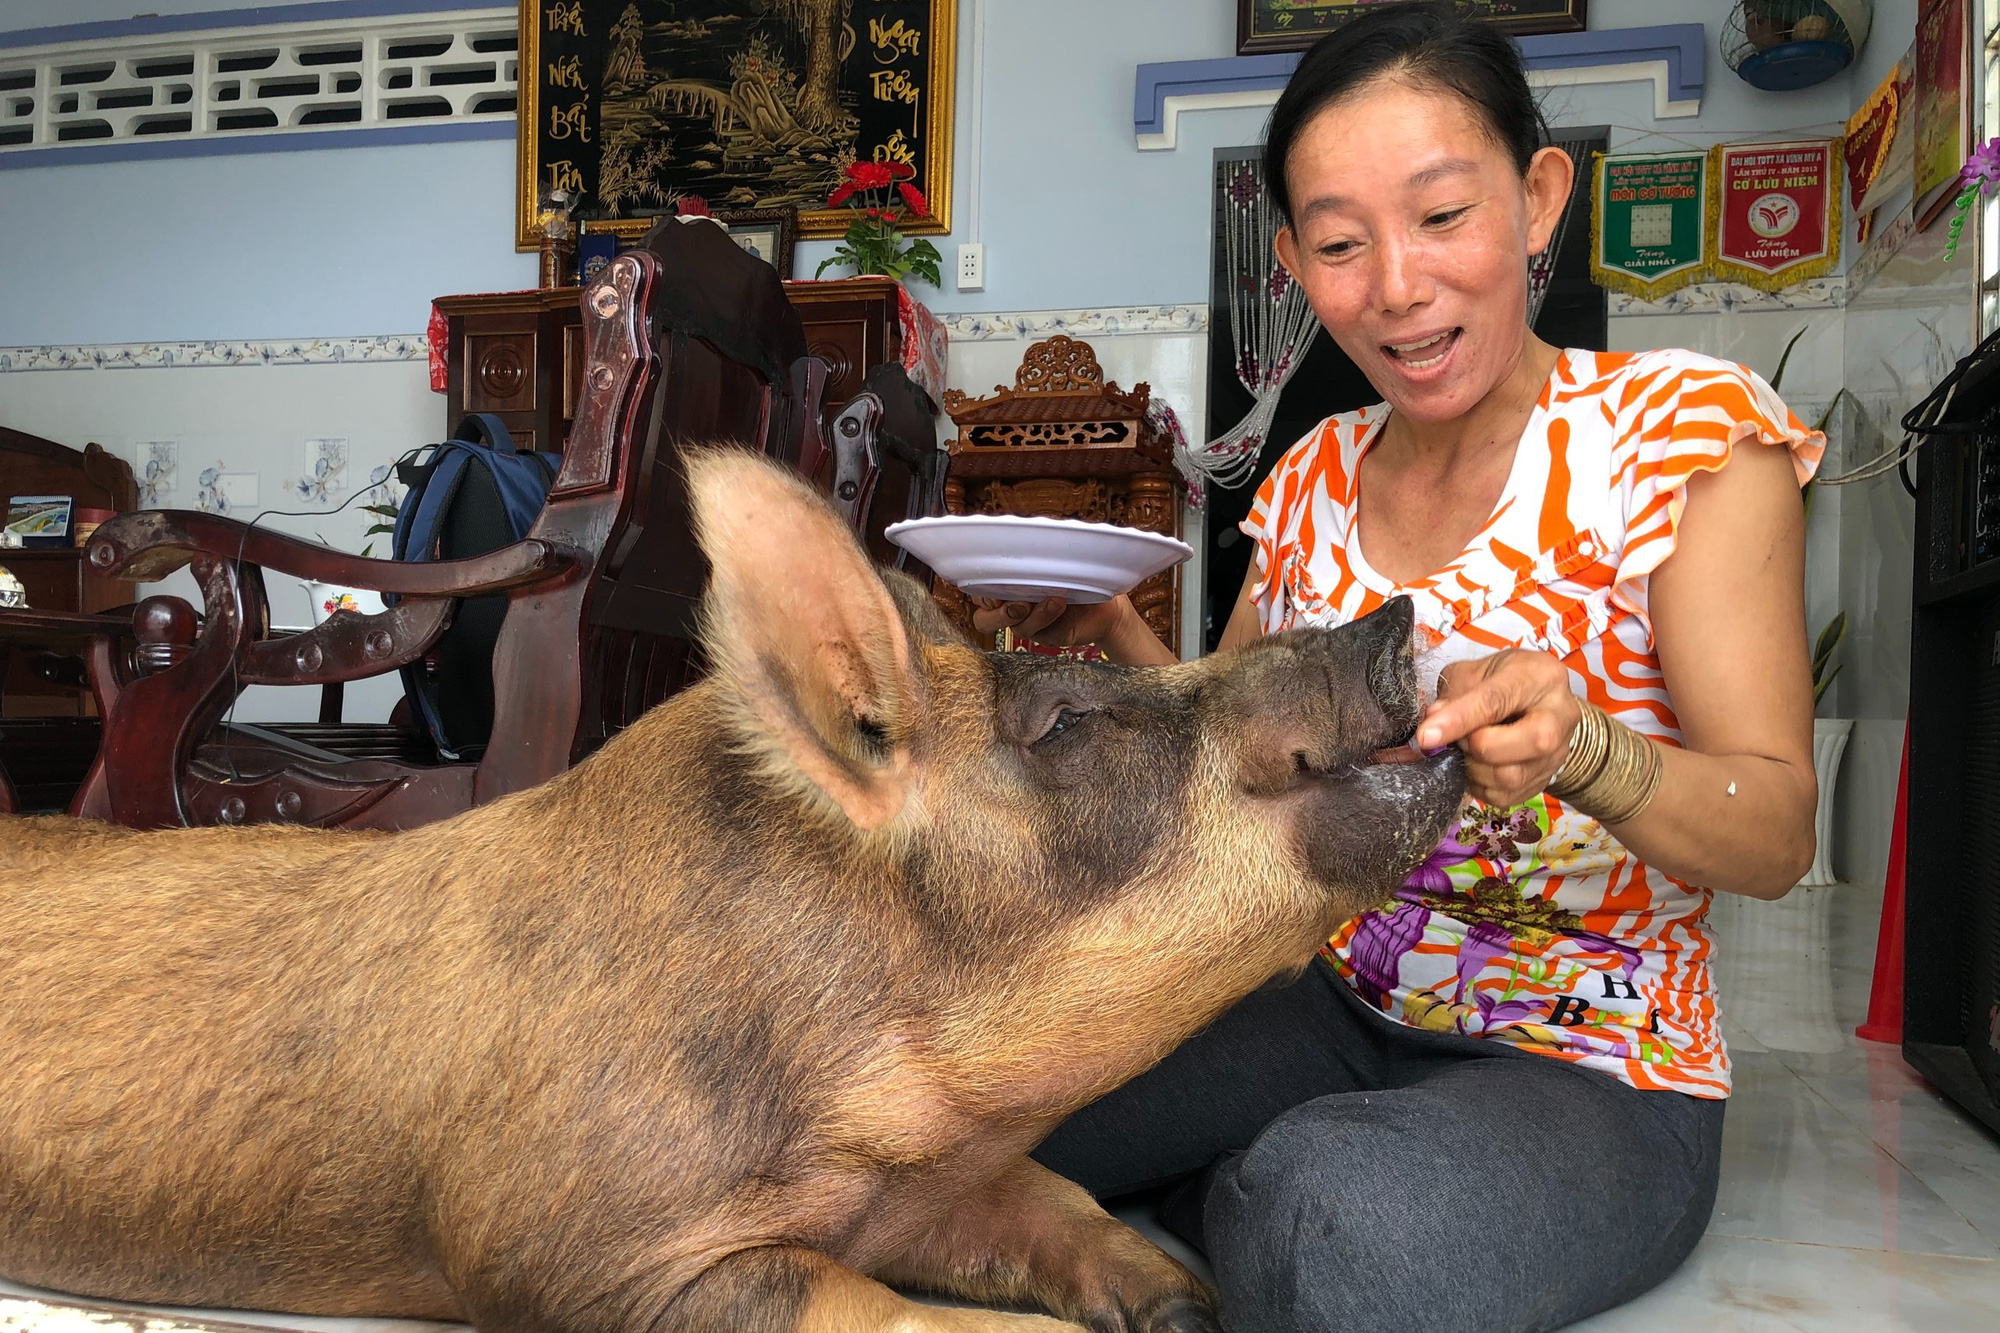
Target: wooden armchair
881	463
688	341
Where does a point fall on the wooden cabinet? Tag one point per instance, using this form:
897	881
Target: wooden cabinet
56	578
853	326
519	355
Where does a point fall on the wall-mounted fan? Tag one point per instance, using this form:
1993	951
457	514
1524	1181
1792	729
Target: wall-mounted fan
1779	45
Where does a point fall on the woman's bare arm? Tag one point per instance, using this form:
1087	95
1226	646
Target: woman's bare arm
1734	809
1729	616
1244	625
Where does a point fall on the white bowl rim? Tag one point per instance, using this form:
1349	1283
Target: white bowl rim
935	521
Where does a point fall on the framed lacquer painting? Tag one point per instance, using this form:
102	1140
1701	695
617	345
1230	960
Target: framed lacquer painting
744	104
1293	25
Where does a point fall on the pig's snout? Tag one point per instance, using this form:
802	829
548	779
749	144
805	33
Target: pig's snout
1392	667
1322	702
1318	710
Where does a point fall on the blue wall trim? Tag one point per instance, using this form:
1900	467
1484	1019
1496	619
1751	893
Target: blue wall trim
1180	78
1680	45
150	150
320	11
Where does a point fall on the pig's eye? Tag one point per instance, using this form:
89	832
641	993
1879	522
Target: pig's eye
1065	719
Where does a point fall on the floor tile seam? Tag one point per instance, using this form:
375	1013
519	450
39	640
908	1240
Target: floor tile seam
1866	1136
1914	1250
1867	1132
1993	1260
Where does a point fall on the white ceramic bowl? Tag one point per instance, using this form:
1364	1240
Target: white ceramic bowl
328	598
1026	559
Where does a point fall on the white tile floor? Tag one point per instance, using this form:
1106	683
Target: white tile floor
1853	1197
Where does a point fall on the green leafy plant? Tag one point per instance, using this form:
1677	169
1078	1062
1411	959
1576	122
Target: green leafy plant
1822	655
1830	635
1825	418
881	196
385	521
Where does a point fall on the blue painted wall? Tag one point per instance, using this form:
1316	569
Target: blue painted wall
356	241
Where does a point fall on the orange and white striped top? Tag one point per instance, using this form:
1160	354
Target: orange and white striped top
1533	925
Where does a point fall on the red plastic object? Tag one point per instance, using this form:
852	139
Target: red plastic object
1885	995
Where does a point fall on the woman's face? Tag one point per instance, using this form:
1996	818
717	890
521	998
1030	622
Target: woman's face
1411	235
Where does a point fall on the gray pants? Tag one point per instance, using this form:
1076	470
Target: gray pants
1342	1171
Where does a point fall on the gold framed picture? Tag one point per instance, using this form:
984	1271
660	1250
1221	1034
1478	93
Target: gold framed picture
1293	25
744	104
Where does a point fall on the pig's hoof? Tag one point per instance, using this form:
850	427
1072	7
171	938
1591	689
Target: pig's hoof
1184	1314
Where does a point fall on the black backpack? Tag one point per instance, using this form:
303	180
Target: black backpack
465	499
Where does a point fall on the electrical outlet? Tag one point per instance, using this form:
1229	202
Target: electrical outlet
972	268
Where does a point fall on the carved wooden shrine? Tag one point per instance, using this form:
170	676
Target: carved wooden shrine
1062	443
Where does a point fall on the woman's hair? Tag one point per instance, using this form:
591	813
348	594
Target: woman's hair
1425	44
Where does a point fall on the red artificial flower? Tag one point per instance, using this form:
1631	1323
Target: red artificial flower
879	215
869	176
902	171
693	206
840	196
919	206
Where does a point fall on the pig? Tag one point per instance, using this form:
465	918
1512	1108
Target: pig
742	1024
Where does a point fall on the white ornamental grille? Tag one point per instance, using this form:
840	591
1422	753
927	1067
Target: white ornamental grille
297	77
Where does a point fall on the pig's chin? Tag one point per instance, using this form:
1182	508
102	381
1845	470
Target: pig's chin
1365	829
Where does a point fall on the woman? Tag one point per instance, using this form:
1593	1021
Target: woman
1497	1102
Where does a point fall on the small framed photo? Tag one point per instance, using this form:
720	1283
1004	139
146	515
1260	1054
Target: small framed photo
768	233
1293	25
38	520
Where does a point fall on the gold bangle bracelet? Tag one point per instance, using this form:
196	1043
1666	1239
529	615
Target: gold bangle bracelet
1612	772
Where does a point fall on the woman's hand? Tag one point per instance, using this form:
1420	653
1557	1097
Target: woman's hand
1512	715
1052	620
1114	626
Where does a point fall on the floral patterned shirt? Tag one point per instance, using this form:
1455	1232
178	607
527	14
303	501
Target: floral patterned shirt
1533	925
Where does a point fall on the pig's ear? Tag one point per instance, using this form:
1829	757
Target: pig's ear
805	633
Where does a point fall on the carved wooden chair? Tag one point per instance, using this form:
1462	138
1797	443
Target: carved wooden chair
688	341
881	463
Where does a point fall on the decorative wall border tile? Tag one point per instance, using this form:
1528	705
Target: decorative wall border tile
996	326
1713	298
1731	298
180	355
1000	326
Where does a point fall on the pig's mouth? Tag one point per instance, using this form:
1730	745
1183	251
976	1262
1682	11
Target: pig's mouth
1373	820
1403	750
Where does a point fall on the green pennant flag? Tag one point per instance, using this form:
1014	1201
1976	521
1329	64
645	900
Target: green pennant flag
1649	222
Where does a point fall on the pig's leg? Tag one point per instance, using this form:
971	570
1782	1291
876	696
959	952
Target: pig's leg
1030	1237
787	1289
